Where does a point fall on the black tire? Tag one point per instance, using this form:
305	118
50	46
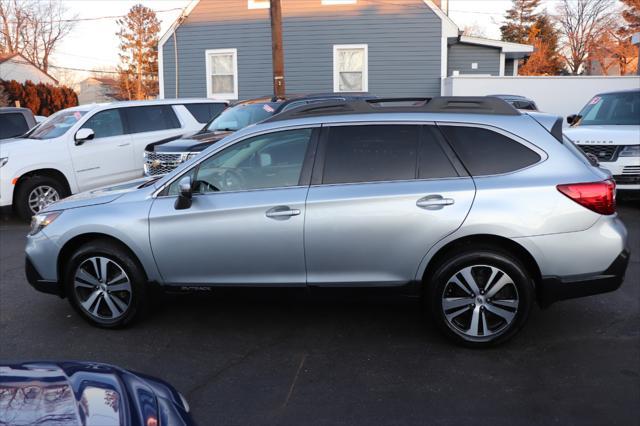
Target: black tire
29	184
136	299
482	261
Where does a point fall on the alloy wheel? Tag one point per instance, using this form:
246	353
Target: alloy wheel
479	302
41	196
103	288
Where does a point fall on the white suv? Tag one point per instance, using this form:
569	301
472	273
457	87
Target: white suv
608	127
89	146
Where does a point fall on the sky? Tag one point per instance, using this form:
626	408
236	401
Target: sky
93	44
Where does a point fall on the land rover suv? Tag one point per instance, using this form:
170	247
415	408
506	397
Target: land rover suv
481	209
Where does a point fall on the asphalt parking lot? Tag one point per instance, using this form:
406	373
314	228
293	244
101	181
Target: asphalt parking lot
290	357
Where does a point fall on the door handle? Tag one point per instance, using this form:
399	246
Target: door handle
434	202
282	212
124	144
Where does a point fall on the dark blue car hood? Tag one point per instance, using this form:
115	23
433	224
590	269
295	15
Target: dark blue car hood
85	393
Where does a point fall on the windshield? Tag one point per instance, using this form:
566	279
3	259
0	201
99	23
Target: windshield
613	108
56	125
240	116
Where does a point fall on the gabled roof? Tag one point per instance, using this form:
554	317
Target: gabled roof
449	28
21	59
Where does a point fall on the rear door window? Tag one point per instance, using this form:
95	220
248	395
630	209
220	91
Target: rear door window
486	152
12	124
151	118
205	112
371	153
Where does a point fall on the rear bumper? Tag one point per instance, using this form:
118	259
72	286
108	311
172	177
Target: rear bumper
37	282
553	289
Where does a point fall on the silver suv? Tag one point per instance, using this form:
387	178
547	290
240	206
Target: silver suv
481	208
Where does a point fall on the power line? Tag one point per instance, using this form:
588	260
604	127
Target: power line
74	69
98	18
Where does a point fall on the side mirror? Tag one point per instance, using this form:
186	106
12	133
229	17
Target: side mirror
573	119
186	192
84	135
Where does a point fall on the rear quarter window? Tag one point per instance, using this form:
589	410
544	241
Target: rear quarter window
151	118
486	152
12	124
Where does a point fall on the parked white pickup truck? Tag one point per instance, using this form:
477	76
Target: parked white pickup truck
89	146
608	127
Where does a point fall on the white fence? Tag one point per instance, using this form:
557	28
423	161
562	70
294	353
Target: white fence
557	95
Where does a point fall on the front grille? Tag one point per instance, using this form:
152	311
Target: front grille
631	170
602	152
162	163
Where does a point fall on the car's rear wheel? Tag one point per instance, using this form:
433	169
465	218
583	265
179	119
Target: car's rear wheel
36	193
105	284
480	297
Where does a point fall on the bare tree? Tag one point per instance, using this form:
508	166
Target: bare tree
4	98
581	23
474	30
33	28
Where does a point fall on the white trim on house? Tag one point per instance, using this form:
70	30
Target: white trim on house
212	52
449	28
365	69
258	4
516	62
160	74
167	35
502	64
505	46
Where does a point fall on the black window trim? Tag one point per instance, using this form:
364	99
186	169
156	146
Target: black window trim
318	169
305	173
535	148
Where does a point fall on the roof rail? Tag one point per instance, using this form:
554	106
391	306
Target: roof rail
442	104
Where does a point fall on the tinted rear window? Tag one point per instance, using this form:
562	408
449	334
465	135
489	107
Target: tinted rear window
12	124
485	152
151	118
205	112
371	153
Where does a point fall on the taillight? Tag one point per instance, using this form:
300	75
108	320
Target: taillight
597	196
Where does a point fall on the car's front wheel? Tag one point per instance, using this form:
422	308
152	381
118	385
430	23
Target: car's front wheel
36	193
480	297
105	284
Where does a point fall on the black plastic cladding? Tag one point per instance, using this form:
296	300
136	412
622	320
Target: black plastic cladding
442	104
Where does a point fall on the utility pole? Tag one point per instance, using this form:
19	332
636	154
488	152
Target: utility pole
277	54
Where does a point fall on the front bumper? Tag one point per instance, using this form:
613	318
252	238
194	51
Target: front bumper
553	289
40	284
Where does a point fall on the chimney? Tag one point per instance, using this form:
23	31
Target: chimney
443	4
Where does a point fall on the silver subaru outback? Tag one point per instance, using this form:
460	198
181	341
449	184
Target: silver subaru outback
483	209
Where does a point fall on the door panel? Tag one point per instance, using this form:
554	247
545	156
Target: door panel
227	238
108	157
375	233
246	221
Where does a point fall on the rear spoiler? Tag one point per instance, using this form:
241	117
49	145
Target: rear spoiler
552	123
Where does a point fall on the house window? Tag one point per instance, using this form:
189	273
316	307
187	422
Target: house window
259	4
350	68
222	73
333	2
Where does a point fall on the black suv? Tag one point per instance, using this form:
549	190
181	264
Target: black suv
15	122
163	156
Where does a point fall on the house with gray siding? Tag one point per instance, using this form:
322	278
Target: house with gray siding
222	49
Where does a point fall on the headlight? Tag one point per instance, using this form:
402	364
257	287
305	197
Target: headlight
630	151
41	221
3	161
